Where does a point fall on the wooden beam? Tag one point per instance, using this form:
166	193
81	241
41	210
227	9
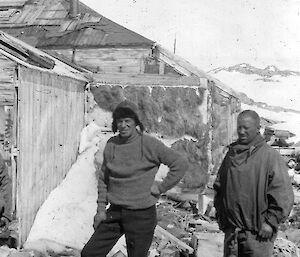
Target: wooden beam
172	62
142	66
145	80
206	225
25	54
160	232
161	68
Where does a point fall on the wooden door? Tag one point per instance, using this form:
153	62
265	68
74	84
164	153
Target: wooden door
8	131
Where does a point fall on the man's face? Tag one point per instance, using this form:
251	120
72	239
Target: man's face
126	127
247	129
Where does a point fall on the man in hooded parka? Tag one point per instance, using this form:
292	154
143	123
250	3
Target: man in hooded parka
253	192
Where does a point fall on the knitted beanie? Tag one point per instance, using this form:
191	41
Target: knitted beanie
126	109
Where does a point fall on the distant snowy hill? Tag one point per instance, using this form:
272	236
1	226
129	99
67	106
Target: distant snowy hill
269	86
273	93
267	72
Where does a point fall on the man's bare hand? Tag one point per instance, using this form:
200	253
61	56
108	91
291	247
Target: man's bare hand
155	190
99	217
266	231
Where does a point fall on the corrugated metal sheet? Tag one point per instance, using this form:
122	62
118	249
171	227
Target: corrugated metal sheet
51	117
54	28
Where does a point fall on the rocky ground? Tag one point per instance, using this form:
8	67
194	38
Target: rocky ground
181	228
186	221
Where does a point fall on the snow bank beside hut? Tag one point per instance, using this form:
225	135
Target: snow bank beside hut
66	217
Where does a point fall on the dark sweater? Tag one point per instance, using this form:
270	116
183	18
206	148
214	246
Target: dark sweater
129	168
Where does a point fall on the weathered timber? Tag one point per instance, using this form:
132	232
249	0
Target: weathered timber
110	60
160	232
144	80
51	116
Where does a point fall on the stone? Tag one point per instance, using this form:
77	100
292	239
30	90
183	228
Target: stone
4	251
208	244
285	248
20	254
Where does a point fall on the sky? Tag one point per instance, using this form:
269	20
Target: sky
215	33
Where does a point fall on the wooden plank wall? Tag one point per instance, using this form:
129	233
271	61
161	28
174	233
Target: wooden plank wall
51	117
109	60
7	80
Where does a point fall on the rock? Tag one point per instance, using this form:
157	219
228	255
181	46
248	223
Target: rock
119	254
291	173
4	251
285	248
120	246
153	253
20	254
296	196
208	244
292	235
297	179
202	225
170	252
50	247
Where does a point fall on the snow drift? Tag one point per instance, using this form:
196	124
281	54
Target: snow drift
66	217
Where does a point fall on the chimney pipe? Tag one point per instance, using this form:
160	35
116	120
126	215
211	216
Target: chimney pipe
74	8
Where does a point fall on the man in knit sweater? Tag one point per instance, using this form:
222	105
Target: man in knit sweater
126	181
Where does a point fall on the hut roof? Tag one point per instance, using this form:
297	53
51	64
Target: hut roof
186	68
48	24
29	56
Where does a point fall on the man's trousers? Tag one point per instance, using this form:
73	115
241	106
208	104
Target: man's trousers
246	244
137	225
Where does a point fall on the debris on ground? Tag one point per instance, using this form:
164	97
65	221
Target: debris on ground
186	219
208	244
285	248
178	221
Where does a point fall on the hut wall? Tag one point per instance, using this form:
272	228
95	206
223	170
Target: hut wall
7	120
50	118
108	60
7	103
170	110
225	109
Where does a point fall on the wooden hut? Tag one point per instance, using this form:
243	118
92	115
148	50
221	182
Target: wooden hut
42	103
190	104
127	65
70	30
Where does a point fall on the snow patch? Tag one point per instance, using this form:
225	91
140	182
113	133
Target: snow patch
286	117
88	137
66	217
271	68
289	121
100	117
244	65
